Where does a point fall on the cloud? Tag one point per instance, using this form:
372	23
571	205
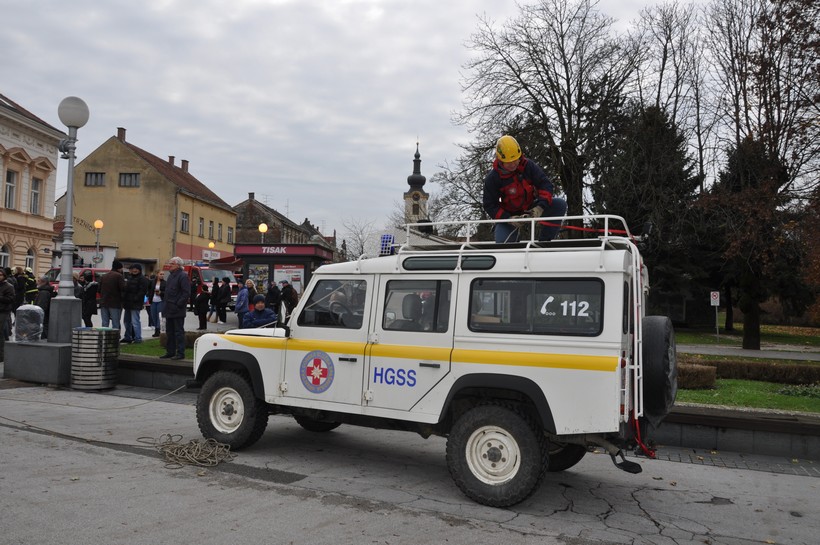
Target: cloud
316	104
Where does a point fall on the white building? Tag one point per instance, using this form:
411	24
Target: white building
28	180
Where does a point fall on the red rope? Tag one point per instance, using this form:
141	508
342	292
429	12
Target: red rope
585	229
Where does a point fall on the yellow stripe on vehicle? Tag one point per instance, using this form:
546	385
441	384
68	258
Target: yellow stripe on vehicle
536	359
479	357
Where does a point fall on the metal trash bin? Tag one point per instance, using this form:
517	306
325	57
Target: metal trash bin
94	356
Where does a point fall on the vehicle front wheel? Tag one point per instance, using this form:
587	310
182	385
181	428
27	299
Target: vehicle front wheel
496	455
227	410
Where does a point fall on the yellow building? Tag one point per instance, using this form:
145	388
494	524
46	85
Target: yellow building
28	178
152	209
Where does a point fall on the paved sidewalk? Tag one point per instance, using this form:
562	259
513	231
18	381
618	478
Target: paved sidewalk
774	352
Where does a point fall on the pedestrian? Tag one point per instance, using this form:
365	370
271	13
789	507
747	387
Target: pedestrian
242	304
112	286
289	297
260	316
223	300
78	287
157	299
518	188
177	293
203	301
213	300
251	293
273	298
89	297
19	283
30	284
136	290
43	300
7	295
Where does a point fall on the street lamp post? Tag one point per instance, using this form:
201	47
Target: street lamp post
263	228
98	224
211	247
66	310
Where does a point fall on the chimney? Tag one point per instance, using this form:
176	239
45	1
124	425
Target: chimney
121	134
171	159
185	165
250	196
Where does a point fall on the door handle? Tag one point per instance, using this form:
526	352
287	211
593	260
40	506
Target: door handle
431	365
348	358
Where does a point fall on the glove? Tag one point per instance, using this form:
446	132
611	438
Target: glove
535	212
520	224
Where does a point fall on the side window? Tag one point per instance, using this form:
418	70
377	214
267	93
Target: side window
417	305
335	303
537	306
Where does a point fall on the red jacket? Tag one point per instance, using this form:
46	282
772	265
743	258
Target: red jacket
513	193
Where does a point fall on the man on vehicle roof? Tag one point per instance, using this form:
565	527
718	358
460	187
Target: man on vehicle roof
518	188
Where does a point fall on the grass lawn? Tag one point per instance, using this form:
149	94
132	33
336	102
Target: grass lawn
148	347
752	393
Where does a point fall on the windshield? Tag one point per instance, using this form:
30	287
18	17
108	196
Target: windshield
53	275
208	275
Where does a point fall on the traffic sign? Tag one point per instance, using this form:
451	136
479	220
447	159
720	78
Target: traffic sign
714	297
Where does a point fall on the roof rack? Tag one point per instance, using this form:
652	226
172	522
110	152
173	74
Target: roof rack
612	233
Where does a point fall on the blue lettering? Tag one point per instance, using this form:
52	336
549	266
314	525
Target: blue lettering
398	377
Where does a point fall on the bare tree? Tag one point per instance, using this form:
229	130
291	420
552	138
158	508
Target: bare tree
556	70
360	237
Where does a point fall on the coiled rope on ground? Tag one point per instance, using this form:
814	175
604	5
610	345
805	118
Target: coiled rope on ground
196	452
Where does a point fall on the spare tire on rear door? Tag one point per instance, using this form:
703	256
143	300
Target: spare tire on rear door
660	368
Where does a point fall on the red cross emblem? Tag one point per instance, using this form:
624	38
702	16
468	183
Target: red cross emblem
316	371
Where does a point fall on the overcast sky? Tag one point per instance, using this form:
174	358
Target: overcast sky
316	106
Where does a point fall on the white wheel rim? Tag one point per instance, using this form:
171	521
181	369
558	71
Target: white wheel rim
493	455
227	410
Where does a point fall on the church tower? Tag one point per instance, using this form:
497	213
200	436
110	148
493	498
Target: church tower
415	199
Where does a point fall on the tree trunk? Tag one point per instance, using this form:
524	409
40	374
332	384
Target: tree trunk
751	327
729	325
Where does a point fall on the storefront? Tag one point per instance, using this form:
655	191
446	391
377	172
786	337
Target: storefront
292	262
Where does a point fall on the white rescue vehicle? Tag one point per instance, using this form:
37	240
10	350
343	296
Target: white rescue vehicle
523	355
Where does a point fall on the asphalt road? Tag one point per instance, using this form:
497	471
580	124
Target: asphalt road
75	471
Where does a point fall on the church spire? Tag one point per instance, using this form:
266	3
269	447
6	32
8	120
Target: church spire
416	180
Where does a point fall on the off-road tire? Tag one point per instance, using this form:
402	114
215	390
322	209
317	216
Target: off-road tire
497	455
315	425
564	455
660	368
228	412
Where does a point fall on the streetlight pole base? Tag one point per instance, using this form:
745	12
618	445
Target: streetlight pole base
64	314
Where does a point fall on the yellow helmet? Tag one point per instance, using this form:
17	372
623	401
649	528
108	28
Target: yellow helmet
507	149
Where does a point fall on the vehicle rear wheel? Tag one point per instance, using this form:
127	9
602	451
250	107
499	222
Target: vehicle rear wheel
496	455
660	368
315	425
227	410
565	455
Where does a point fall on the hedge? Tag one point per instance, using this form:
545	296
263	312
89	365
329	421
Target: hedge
782	373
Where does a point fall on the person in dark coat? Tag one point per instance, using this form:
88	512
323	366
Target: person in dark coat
43	300
89	297
177	293
7	295
261	316
112	286
136	291
214	299
201	304
223	300
289	297
273	298
19	283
